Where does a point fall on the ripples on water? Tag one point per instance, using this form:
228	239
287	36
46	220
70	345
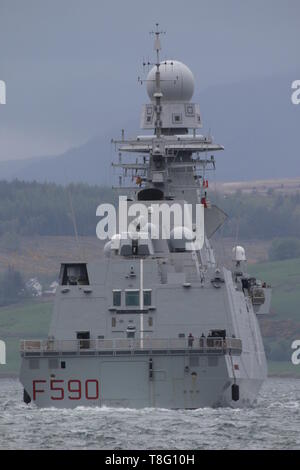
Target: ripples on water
274	423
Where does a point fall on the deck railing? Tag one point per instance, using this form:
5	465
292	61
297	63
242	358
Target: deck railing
120	344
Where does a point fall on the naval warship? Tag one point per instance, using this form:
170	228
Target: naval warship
158	322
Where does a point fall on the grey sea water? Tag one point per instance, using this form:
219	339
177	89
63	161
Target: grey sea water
273	423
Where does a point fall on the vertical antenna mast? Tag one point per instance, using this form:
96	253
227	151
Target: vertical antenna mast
158	94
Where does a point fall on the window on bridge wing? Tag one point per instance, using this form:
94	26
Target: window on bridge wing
117	298
147	297
74	274
132	298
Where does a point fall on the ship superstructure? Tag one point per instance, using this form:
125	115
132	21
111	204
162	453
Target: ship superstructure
158	322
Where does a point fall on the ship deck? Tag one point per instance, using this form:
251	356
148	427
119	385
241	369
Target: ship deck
120	346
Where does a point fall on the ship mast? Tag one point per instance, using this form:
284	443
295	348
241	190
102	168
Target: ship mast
158	94
170	159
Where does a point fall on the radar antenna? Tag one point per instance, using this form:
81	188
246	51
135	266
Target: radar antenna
158	94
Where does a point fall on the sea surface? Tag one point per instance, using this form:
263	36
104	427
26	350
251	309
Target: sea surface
273	423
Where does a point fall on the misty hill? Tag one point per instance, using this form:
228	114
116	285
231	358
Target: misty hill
255	121
89	163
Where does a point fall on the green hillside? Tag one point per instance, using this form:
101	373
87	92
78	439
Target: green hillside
27	320
282	326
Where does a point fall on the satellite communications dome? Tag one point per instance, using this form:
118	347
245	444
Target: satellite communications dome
177	81
238	253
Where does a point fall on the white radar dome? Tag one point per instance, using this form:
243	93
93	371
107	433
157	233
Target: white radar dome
177	81
238	253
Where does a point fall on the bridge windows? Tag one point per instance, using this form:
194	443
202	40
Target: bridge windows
147	297
117	298
132	298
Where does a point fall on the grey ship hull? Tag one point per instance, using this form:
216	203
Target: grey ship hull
124	382
155	373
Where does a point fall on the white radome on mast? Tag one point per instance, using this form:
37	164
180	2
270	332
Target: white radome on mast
176	81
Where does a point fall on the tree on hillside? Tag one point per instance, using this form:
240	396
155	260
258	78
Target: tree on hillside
12	287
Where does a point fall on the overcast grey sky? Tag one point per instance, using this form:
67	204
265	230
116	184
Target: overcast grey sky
71	66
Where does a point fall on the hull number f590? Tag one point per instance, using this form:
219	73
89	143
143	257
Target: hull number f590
72	390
